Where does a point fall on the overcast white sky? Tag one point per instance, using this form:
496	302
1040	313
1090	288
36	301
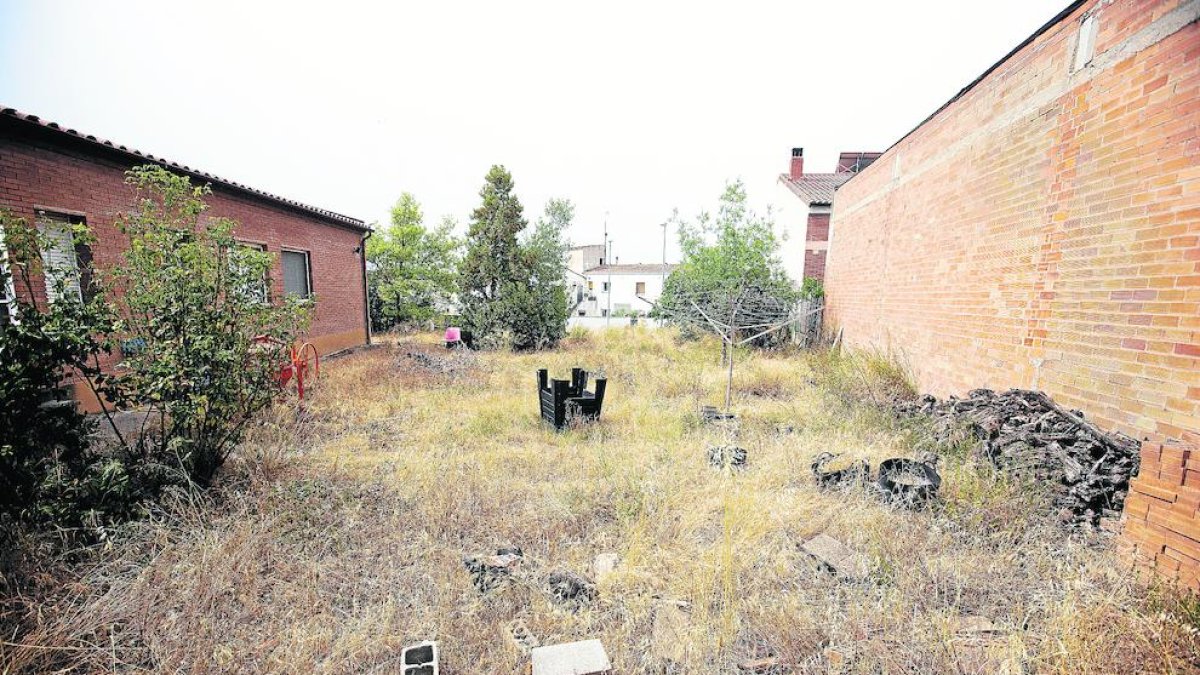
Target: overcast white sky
629	108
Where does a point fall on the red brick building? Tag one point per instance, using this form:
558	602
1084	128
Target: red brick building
1042	230
815	192
53	176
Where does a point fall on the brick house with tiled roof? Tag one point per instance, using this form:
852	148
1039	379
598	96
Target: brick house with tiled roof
54	177
807	234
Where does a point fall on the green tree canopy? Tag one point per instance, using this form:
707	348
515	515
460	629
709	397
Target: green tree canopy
411	269
512	288
730	257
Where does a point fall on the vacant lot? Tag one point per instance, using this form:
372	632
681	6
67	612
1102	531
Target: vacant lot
339	535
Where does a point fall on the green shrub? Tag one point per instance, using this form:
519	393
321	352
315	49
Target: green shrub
46	472
184	306
194	298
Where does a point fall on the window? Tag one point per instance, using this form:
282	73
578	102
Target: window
591	285
641	288
257	289
297	274
8	295
60	260
1085	48
604	287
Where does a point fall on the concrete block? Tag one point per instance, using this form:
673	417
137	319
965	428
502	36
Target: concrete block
586	657
837	558
420	659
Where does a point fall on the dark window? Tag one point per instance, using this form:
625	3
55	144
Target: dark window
297	274
605	287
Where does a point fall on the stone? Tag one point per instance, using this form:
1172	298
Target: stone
586	657
519	637
839	658
722	456
837	558
604	565
568	587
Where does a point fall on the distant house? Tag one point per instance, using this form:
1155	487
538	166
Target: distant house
57	177
597	288
805	209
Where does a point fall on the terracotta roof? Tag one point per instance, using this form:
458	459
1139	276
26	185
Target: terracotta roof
638	268
815	188
34	122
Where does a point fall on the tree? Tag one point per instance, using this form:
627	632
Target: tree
512	288
729	260
538	305
410	269
492	256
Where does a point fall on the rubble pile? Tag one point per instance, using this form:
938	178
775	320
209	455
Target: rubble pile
1028	433
453	364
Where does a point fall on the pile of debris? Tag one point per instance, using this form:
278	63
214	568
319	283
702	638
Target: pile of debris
454	363
1028	433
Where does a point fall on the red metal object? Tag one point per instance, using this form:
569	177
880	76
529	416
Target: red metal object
299	360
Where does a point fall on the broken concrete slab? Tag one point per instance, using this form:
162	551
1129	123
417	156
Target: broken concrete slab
667	636
586	657
604	564
837	558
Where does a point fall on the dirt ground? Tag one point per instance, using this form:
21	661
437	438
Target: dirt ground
339	534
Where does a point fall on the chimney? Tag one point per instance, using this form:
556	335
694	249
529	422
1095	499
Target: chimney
797	169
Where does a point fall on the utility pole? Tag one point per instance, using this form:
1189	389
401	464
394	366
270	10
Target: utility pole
608	261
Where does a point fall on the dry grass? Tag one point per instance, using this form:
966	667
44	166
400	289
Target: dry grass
341	538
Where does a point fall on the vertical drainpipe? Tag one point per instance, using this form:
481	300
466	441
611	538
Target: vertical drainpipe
366	290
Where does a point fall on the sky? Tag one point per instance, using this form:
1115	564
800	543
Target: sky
629	109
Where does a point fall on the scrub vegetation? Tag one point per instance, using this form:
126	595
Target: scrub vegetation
337	533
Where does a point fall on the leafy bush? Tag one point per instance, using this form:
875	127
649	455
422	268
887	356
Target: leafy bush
192	297
186	303
46	472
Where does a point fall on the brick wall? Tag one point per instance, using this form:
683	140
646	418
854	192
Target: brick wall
36	174
1043	230
816	237
1161	527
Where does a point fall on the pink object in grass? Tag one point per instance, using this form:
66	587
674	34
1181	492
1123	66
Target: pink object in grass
453	334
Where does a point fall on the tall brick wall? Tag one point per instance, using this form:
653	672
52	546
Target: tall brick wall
43	175
1043	230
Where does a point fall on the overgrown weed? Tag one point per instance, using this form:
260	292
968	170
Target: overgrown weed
343	540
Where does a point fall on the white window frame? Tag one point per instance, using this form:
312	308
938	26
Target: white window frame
307	270
49	218
9	289
265	292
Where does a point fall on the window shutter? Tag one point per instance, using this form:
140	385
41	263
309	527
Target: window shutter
58	260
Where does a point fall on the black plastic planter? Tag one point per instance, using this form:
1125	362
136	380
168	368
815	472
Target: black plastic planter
564	401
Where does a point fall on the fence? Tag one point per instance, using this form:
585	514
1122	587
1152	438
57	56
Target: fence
806	322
